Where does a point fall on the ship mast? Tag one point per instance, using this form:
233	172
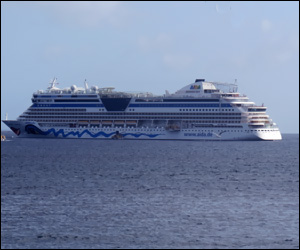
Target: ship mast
53	83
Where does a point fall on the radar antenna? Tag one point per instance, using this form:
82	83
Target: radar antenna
52	83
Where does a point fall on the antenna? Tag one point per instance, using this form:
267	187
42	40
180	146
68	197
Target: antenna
52	83
6	115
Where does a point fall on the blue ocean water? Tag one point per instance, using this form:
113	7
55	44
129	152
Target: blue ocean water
60	193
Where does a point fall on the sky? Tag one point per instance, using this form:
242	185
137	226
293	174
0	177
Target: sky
153	47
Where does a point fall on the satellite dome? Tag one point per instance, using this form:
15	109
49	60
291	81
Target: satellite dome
94	88
73	88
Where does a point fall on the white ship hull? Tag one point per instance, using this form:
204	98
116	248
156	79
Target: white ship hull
33	130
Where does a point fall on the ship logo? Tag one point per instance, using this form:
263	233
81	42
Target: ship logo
195	87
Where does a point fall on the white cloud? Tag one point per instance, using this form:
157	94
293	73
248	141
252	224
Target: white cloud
287	49
238	60
177	61
161	42
223	7
87	13
163	39
54	51
163	45
283	56
266	25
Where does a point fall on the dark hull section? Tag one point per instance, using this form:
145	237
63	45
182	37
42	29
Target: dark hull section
115	104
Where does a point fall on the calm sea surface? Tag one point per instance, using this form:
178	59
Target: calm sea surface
59	193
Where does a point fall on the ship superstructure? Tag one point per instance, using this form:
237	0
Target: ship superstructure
199	111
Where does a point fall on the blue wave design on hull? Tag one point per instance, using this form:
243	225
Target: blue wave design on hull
138	135
34	130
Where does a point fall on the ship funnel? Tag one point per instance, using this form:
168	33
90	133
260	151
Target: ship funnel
86	85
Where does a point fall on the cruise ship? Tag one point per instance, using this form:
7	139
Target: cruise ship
202	110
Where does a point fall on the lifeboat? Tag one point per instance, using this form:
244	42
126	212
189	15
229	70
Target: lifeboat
119	122
106	122
95	122
172	128
131	122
